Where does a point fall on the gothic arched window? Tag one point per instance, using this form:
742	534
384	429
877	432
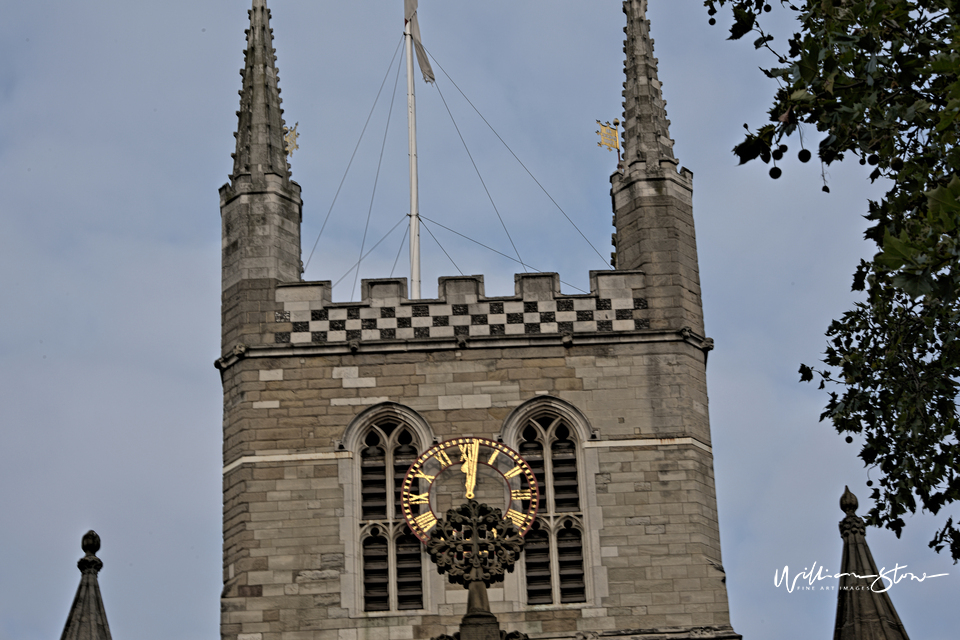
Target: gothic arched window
391	556
553	555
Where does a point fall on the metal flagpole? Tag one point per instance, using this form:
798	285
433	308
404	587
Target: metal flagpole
414	196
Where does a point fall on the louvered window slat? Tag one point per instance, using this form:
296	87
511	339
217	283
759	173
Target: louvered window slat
403	457
566	490
376	573
570	556
373	480
409	573
532	452
537	559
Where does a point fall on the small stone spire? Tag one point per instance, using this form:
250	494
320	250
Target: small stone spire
862	613
260	208
646	136
260	145
652	200
87	619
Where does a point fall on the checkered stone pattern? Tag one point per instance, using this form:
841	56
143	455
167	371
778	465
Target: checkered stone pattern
507	318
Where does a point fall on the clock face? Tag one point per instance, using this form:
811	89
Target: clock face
448	474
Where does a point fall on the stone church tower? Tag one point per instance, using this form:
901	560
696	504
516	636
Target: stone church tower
326	405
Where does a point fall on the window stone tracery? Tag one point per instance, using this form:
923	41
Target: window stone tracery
549	438
390	559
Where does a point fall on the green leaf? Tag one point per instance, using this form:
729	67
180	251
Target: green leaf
809	64
743	23
944	203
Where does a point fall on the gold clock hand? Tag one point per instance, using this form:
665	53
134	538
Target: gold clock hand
471	453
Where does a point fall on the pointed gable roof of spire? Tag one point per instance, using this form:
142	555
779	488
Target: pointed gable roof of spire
260	144
646	136
862	613
87	619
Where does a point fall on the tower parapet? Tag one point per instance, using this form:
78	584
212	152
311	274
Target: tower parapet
537	311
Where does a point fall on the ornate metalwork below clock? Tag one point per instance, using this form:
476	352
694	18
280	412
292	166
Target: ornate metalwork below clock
455	471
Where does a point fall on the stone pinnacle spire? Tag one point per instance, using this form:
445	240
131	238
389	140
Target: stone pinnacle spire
646	128
260	208
862	613
260	146
87	619
652	200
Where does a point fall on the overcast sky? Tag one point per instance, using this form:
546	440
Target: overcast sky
116	123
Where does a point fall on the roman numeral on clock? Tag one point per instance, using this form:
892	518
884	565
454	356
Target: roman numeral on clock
418	498
520	494
517	518
418	473
443	458
517	470
426	521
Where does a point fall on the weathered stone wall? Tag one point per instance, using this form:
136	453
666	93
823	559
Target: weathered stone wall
639	390
655	233
260	226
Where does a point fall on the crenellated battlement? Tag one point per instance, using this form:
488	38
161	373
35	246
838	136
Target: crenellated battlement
616	303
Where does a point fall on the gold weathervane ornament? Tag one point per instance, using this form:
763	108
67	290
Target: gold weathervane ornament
610	136
290	139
